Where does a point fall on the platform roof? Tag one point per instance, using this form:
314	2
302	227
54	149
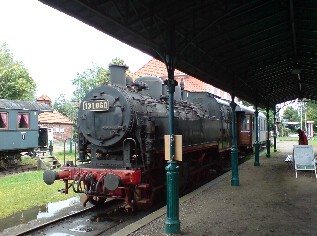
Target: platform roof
263	51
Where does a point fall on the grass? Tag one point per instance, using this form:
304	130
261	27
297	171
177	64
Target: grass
59	155
22	191
312	142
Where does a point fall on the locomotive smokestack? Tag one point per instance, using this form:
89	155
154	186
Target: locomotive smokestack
117	74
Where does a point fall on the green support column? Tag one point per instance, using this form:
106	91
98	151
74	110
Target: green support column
257	144
234	149
70	146
51	148
274	132
172	223
268	142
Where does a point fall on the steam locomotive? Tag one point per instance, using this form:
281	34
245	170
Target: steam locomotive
121	128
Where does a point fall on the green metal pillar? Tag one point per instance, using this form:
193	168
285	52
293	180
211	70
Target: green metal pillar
234	149
71	142
274	131
257	144
51	148
70	146
172	223
268	142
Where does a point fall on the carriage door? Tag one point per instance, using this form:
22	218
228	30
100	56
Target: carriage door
245	129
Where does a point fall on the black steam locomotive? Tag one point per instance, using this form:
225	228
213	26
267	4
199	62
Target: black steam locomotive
121	128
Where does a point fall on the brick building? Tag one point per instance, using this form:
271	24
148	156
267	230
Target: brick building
60	126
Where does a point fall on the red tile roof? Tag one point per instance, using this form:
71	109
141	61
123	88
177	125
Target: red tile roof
157	68
53	118
44	97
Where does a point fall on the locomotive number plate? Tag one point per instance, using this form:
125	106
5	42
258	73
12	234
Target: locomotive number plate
98	105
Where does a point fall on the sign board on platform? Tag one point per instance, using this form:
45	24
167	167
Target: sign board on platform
304	158
178	147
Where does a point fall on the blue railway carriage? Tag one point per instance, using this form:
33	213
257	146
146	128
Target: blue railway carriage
19	130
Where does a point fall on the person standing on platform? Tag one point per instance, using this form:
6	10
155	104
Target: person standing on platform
302	138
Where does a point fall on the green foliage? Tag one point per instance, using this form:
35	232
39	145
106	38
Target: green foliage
291	114
118	61
85	81
283	132
311	112
89	79
65	107
15	81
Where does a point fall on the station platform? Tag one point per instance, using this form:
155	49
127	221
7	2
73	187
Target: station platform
269	201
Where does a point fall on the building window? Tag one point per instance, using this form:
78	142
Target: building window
4	120
23	120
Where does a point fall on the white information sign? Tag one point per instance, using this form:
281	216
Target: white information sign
304	158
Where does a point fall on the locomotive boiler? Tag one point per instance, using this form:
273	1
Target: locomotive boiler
121	128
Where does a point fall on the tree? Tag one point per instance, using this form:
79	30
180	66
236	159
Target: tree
291	114
65	107
15	81
311	112
118	61
85	81
91	78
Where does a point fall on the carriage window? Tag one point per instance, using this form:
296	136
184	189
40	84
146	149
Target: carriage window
23	120
245	123
3	120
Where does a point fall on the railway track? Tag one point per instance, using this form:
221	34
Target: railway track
17	170
83	221
39	227
91	221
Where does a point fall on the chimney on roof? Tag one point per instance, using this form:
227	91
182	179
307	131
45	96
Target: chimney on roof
44	99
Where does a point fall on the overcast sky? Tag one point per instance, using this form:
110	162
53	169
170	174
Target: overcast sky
54	47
